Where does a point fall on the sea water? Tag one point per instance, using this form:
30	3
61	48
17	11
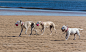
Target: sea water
49	4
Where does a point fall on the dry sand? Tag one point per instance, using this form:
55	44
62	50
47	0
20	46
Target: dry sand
10	42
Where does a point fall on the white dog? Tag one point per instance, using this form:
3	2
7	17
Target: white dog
26	25
46	24
70	31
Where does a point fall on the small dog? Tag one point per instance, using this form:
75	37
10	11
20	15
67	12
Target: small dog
26	25
46	24
70	31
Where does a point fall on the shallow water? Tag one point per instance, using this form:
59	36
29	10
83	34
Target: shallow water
39	12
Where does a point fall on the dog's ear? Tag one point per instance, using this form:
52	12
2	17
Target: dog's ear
20	21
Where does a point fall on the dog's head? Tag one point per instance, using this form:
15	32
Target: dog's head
38	23
18	22
64	28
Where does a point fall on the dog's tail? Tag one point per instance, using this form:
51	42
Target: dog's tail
80	29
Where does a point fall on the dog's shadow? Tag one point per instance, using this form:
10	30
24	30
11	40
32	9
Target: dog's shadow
57	40
35	34
11	36
8	36
20	36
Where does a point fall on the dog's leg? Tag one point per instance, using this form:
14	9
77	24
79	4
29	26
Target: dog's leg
35	30
78	34
31	30
50	29
68	34
74	36
32	27
21	31
54	28
26	29
43	30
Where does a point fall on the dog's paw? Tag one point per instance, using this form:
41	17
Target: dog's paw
19	36
25	33
29	35
41	34
51	33
55	32
66	39
74	39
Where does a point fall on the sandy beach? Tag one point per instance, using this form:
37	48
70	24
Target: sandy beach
10	42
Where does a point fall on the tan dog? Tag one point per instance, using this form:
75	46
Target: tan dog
26	25
46	24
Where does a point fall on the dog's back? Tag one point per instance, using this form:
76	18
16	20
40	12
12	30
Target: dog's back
73	30
48	23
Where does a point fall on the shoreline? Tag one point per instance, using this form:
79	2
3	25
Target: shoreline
39	12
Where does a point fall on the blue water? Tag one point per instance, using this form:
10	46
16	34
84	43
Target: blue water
50	4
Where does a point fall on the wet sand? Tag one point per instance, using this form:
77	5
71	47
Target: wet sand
10	42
